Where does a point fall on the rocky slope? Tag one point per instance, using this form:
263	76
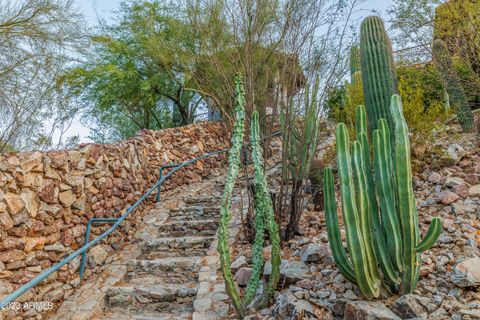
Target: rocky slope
446	182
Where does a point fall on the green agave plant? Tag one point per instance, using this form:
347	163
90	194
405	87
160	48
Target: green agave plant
264	217
383	238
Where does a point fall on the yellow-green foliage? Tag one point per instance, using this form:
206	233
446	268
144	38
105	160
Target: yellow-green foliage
355	93
457	23
423	103
353	96
458	20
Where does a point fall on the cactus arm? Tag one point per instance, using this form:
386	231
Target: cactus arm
333	229
276	258
257	250
355	241
265	206
432	235
406	202
360	120
377	234
363	206
418	255
385	187
225	214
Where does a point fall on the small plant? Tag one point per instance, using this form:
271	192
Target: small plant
315	175
300	137
383	238
264	217
453	86
378	71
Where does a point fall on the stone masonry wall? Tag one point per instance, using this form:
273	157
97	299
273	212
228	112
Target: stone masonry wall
46	199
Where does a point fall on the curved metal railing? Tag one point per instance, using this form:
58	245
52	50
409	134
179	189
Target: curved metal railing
117	221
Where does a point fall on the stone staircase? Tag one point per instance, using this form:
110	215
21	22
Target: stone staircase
170	268
162	282
156	275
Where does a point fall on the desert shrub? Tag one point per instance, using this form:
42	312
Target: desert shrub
424	102
345	100
469	79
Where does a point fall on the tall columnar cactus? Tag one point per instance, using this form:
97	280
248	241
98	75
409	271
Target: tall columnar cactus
264	208
354	61
453	86
381	236
378	71
264	217
225	209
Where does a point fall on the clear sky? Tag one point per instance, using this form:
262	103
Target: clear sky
103	9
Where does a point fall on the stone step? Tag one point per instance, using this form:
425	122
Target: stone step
167	279
195	212
203	200
137	299
177	264
168	270
180	228
188	246
145	316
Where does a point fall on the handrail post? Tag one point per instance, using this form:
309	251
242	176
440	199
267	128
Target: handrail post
159	185
87	237
84	254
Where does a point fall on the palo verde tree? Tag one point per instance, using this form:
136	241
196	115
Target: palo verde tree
136	75
37	39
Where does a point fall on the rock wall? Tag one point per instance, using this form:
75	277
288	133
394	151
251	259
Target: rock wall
46	199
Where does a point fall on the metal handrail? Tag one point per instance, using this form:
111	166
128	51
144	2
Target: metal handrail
83	250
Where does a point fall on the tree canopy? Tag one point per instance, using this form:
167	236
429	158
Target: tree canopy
38	38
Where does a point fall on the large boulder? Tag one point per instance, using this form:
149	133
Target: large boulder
287	305
467	273
243	275
291	271
314	252
368	310
446	197
408	307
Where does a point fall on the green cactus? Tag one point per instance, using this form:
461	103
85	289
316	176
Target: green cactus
454	89
381	236
354	61
378	72
225	209
264	217
264	208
